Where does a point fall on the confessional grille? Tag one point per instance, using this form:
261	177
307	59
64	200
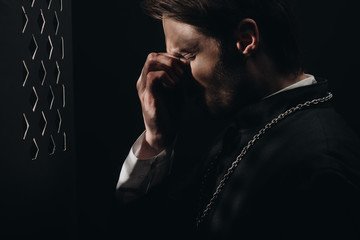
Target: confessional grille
42	79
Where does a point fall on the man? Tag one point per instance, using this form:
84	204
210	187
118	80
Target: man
286	167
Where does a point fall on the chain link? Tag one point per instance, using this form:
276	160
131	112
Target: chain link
257	136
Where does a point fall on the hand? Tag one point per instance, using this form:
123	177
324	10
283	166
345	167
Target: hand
160	87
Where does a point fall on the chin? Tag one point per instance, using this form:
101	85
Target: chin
219	110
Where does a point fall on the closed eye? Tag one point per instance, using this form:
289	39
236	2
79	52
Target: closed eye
190	57
186	56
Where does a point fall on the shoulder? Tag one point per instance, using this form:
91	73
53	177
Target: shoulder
324	147
309	141
320	130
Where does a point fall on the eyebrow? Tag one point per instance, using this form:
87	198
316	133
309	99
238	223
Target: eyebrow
190	50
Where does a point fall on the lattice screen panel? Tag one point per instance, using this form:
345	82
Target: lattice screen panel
37	155
42	80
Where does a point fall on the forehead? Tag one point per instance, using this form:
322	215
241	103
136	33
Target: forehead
180	36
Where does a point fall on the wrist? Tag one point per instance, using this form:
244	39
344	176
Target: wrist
151	146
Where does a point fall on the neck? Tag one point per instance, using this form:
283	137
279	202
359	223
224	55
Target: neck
267	79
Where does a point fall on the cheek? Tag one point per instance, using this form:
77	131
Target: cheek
203	71
202	67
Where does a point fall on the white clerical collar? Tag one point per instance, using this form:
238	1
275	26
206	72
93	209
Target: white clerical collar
310	80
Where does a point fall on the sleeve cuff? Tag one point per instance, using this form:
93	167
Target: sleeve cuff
139	175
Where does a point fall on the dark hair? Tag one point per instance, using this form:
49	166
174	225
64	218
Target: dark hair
220	18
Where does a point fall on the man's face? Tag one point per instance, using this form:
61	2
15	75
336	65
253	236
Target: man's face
220	83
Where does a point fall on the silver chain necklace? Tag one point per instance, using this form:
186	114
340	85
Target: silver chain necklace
257	136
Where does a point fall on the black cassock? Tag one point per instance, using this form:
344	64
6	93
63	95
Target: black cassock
300	179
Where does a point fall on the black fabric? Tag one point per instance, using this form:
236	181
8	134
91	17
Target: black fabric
301	180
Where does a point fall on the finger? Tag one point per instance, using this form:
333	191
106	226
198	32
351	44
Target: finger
163	62
155	67
182	61
184	64
141	82
155	75
159	78
166	62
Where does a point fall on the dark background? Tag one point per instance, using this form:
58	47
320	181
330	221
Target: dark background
111	42
71	194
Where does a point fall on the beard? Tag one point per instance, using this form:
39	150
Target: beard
220	97
229	89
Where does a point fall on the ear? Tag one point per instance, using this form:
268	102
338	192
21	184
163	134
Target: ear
247	36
